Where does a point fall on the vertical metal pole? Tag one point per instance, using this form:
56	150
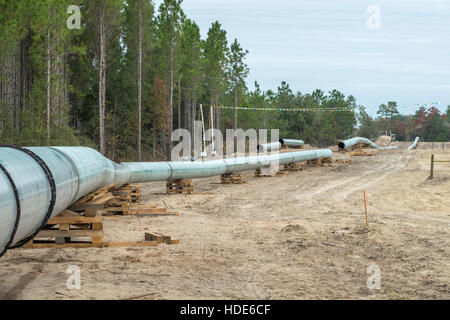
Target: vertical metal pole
432	167
213	138
203	153
179	103
365	209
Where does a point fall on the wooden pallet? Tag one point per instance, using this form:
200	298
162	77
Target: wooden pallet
73	230
297	166
264	173
231	179
71	227
345	161
314	163
319	162
116	202
139	209
179	186
131	192
326	161
96	196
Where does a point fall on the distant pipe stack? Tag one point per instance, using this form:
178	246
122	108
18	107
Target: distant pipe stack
40	182
354	141
415	143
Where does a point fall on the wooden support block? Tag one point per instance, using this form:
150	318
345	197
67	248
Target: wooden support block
147	210
157	214
95	195
179	186
103	199
231	179
90	213
97	226
160	238
87	207
260	173
64	227
131	244
45	245
297	166
97	240
60	240
69	234
74	219
314	163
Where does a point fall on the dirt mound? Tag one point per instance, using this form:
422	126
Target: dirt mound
293	228
360	153
383	141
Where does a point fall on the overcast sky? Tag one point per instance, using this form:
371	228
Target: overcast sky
327	44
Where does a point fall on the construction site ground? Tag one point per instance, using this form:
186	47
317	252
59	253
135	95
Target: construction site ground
294	236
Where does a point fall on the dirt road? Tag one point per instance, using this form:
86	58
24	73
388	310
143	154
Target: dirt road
295	236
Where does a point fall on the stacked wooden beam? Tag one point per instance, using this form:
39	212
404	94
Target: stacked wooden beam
179	186
293	167
265	172
231	179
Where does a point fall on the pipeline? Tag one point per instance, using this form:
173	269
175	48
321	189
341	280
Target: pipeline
414	145
353	141
269	147
30	194
291	142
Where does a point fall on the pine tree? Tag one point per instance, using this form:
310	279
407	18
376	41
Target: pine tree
215	49
104	18
169	23
237	72
138	33
190	69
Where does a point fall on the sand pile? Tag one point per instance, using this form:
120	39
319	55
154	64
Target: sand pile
383	141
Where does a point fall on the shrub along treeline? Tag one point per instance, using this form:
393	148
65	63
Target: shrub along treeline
132	73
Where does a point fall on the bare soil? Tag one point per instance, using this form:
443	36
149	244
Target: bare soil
295	236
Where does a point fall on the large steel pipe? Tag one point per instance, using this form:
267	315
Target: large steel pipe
292	142
414	145
273	146
353	141
31	193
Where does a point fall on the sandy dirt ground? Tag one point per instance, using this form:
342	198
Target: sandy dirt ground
295	236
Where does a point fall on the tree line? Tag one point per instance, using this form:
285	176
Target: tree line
430	124
133	72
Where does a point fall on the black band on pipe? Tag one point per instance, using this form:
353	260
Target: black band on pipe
51	181
16	224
